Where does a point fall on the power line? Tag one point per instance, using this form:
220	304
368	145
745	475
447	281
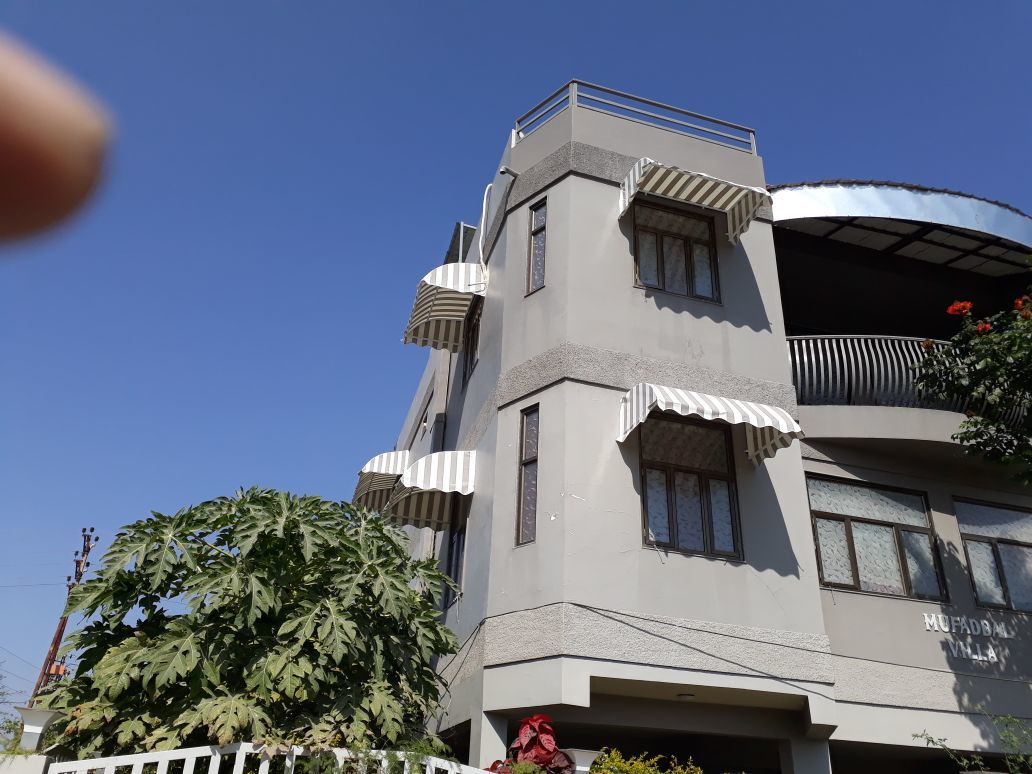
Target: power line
26	585
12	674
12	653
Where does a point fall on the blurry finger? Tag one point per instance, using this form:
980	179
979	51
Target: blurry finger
52	143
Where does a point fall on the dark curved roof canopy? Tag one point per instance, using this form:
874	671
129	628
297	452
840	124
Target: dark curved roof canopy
936	225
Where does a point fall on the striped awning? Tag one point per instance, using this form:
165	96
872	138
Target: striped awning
377	478
768	428
739	203
424	495
442	301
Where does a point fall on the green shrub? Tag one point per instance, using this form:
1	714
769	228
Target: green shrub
613	762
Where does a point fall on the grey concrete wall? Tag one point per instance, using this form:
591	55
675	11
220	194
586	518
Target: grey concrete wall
884	653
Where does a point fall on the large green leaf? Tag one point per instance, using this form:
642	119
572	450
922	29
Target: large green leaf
173	656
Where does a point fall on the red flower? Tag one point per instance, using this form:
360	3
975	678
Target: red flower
1019	303
959	308
984	327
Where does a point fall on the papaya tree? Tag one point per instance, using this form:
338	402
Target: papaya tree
264	616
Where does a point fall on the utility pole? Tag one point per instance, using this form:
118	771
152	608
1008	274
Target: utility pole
53	668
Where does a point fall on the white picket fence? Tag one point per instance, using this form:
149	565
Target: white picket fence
258	759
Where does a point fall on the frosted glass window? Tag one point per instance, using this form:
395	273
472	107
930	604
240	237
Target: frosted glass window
994	521
1017	571
648	259
834	552
688	501
672	222
984	573
877	561
530	434
526	520
883	534
675	252
683	444
720	510
924	579
675	270
702	268
539	213
536	269
656	506
867	502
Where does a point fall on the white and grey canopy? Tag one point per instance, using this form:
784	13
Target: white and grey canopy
738	202
442	302
425	494
768	428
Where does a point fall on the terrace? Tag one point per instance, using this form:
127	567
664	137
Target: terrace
867	270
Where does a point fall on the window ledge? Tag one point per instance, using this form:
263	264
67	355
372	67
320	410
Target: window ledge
879	595
700	554
701	299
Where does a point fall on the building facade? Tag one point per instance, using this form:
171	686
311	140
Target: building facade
668	445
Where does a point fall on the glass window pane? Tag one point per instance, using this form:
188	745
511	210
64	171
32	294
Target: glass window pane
877	560
834	550
530	434
537	261
720	510
528	503
921	564
867	502
675	271
648	263
656	506
680	443
688	501
984	572
672	222
540	213
1017	569
702	265
994	521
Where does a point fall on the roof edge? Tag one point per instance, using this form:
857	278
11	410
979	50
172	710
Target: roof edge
855	183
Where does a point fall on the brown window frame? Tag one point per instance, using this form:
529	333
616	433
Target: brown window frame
530	289
689	253
471	339
898	529
704	477
455	558
524	462
995	544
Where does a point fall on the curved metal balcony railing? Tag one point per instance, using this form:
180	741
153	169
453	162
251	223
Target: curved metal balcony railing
859	371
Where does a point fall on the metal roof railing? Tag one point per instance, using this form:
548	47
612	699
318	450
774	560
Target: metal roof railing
591	96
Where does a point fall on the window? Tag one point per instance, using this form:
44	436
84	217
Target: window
456	550
424	420
536	256
526	507
471	339
998	543
688	488
675	252
874	539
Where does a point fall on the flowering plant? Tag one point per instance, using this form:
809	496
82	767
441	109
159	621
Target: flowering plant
535	745
987	367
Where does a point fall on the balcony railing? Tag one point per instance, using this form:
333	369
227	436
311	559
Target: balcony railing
618	103
859	371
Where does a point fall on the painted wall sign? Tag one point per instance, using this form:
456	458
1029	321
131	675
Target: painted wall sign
971	649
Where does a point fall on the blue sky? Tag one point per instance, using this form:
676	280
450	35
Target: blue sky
228	310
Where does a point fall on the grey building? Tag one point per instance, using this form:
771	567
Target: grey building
668	443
